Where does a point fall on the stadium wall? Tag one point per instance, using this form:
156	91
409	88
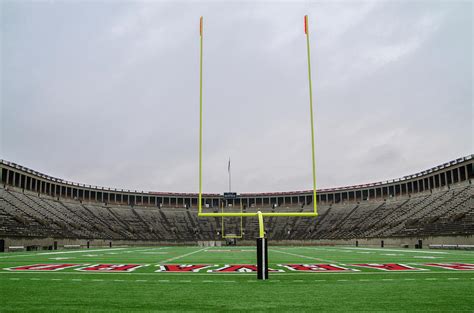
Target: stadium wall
40	244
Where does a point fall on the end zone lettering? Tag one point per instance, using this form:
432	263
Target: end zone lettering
42	267
175	268
110	268
390	267
239	268
454	266
316	267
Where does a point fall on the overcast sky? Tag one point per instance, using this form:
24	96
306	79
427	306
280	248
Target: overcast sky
107	93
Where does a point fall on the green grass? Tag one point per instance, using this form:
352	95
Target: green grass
69	290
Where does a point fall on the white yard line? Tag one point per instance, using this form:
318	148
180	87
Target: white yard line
304	256
182	256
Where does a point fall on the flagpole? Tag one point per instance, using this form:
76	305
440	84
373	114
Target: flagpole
230	176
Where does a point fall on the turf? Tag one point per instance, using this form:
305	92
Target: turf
144	290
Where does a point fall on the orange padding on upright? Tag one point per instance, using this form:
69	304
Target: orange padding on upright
200	26
306	24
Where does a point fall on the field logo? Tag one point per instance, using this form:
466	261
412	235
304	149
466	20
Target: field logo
453	266
110	268
316	268
239	268
390	267
183	268
42	267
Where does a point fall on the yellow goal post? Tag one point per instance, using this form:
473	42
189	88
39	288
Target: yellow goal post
258	214
232	236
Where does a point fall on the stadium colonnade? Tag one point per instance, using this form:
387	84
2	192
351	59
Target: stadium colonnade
434	207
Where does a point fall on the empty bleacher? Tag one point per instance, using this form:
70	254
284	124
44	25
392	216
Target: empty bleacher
447	211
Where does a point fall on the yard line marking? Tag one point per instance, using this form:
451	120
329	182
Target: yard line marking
303	256
150	249
97	279
319	280
164	281
141	280
387	279
56	279
229	281
431	278
182	256
14	279
184	281
364	279
452	278
298	281
119	280
76	279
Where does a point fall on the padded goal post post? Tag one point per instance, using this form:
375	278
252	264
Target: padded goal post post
261	243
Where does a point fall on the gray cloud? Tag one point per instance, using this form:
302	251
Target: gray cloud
107	94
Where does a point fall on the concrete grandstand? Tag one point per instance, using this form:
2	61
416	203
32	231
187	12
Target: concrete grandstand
433	207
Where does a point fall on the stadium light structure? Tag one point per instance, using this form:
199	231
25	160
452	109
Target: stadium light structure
261	241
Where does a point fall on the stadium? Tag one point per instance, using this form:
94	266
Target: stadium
115	103
427	209
411	232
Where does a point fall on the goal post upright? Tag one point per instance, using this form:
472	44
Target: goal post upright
313	157
201	26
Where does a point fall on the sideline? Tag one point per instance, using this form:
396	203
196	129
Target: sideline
395	250
61	252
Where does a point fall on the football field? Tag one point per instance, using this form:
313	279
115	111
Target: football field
146	279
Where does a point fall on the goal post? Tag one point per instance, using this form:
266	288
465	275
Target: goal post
314	213
261	241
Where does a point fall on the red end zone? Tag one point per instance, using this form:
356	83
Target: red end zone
316	268
42	267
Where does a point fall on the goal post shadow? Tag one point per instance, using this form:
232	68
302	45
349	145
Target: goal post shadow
262	247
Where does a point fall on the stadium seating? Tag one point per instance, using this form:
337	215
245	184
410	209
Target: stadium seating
445	211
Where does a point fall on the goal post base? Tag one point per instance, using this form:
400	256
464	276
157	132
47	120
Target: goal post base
262	259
